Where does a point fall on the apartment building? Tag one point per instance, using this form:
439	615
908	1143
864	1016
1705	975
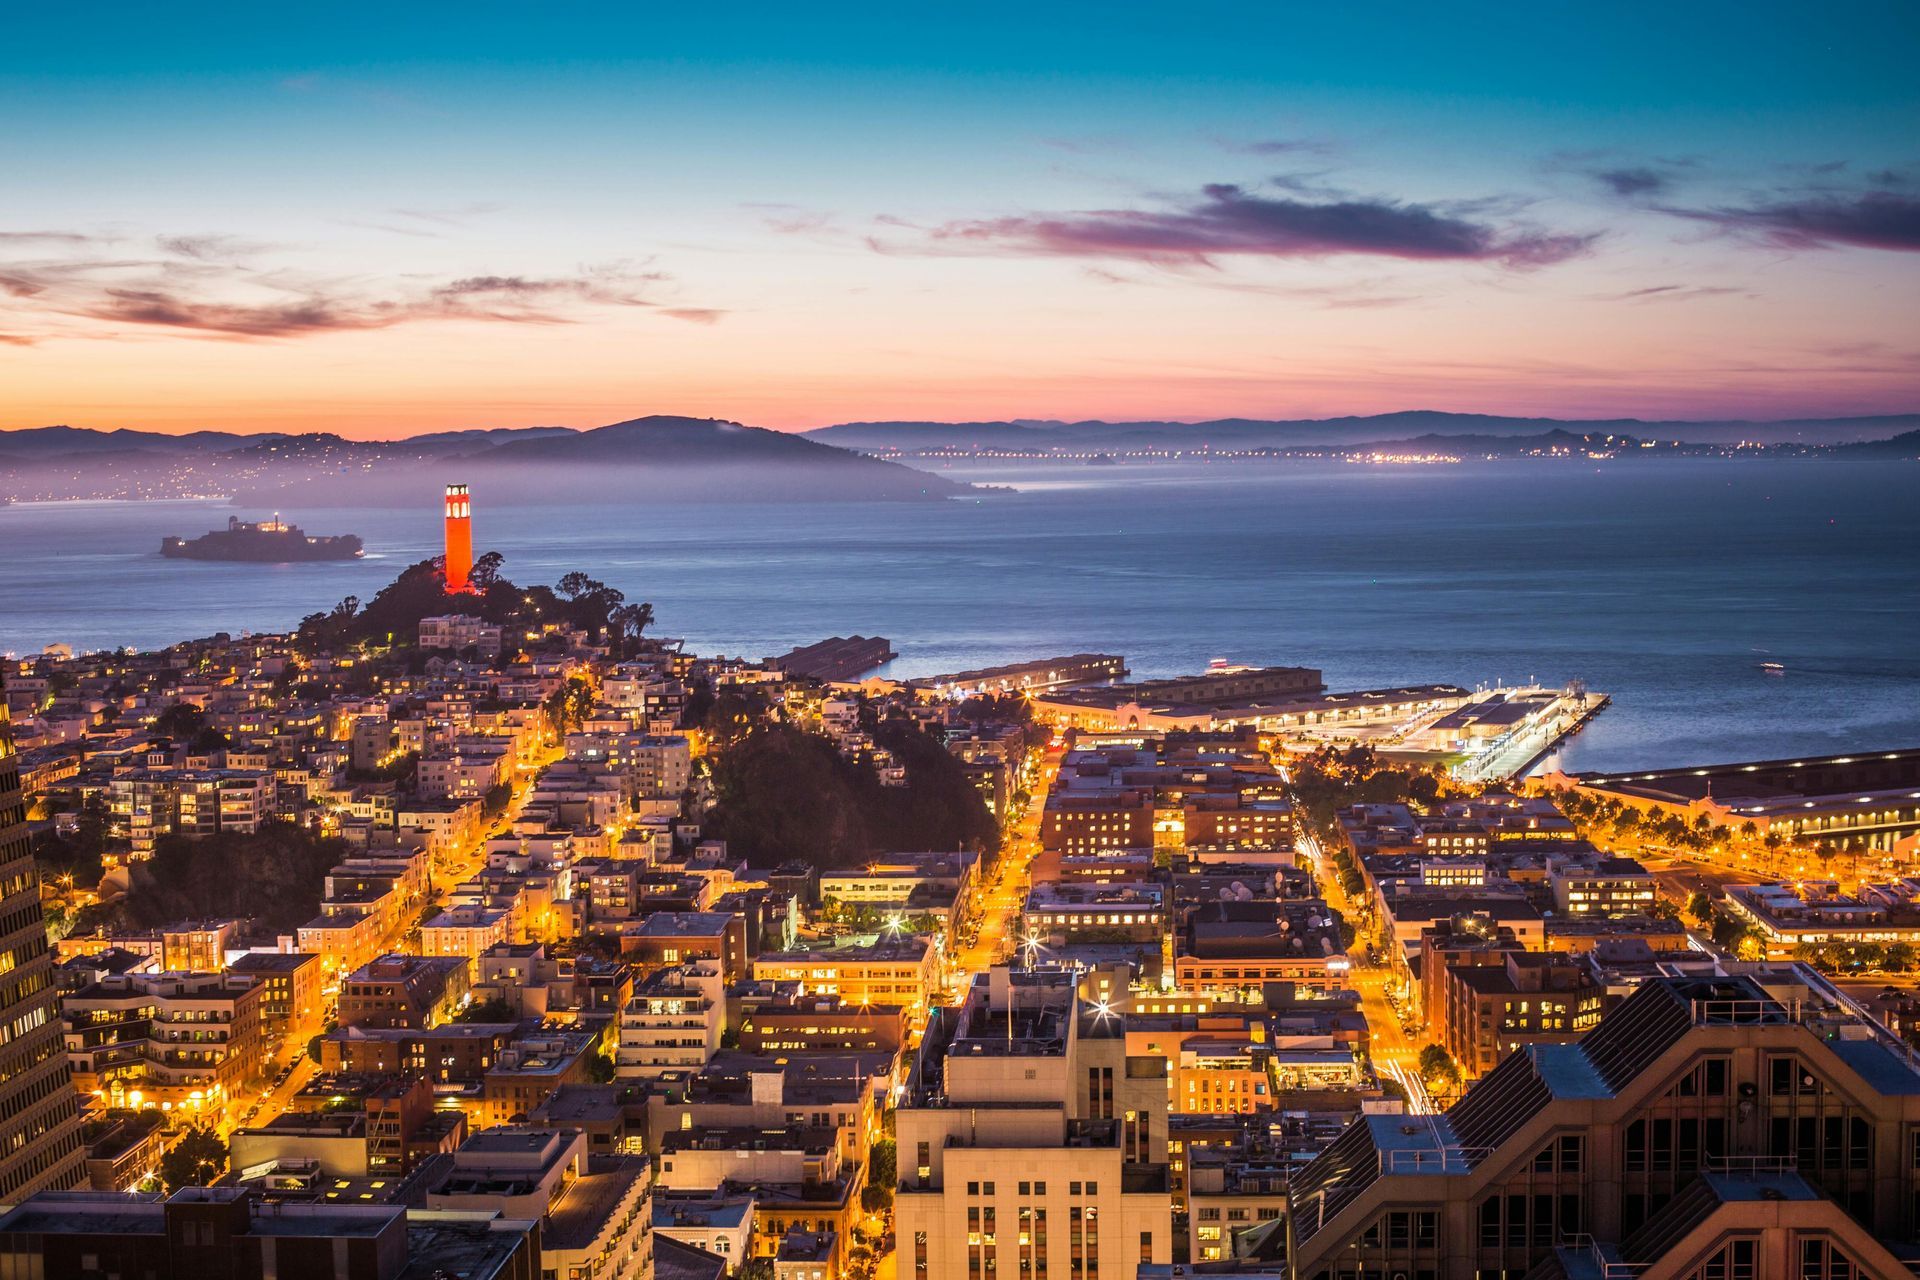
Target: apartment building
533	985
1233	824
290	985
452	1054
595	1212
907	883
894	971
1237	946
468	929
1217	1062
807	1093
465	769
1600	886
404	991
672	1022
798	1177
460	631
177	1041
1488	1011
1755	1123
666	938
202	1232
1078	823
392	1126
650	766
527	1071
716	1222
146	804
1033	1143
367	901
1112	911
783	1024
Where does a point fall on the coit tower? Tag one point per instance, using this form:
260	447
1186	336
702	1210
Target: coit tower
459	538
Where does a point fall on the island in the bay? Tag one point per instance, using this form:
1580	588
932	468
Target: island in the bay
266	541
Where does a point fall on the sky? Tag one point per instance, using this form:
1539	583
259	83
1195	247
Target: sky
379	220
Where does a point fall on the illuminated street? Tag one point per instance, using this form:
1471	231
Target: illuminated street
1393	1054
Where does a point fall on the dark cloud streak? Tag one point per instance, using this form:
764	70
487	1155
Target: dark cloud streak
1228	221
1866	220
1675	293
1633	181
205	289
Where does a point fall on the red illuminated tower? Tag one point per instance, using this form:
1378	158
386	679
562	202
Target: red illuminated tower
459	538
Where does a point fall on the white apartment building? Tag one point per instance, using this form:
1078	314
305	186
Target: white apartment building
1038	1147
467	931
652	766
460	631
673	1022
466	769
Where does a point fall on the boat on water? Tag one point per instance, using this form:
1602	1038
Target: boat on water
1774	668
262	542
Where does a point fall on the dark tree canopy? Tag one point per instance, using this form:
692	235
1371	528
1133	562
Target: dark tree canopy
275	876
194	1161
182	720
784	793
420	592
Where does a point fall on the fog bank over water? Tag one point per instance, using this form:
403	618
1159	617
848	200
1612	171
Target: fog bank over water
1664	586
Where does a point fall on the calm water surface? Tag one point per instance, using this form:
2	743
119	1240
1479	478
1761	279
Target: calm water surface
1663	584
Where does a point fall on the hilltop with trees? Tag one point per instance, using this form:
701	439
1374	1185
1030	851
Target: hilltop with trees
784	793
275	876
393	615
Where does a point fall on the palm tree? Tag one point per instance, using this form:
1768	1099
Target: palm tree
628	621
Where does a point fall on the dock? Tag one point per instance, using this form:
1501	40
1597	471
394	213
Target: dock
1536	738
1037	676
836	659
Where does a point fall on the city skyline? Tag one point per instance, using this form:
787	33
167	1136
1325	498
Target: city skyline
837	643
385	224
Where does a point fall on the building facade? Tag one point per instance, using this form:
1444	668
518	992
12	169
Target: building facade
1034	1144
39	1114
1756	1124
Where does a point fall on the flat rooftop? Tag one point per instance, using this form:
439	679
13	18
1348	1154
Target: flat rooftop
590	1200
1809	777
474	1245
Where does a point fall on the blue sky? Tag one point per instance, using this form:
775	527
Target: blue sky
376	218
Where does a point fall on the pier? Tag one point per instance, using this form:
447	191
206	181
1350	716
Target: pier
837	659
1557	715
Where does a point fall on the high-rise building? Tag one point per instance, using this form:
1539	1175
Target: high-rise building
39	1111
1033	1143
459	538
1751	1124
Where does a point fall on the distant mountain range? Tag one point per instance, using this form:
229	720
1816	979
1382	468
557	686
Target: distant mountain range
675	459
1022	435
653	459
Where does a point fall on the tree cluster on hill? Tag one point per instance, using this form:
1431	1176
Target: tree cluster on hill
783	793
725	714
421	592
80	854
188	723
1330	780
275	876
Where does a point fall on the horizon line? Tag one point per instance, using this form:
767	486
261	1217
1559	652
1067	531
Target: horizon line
1035	422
